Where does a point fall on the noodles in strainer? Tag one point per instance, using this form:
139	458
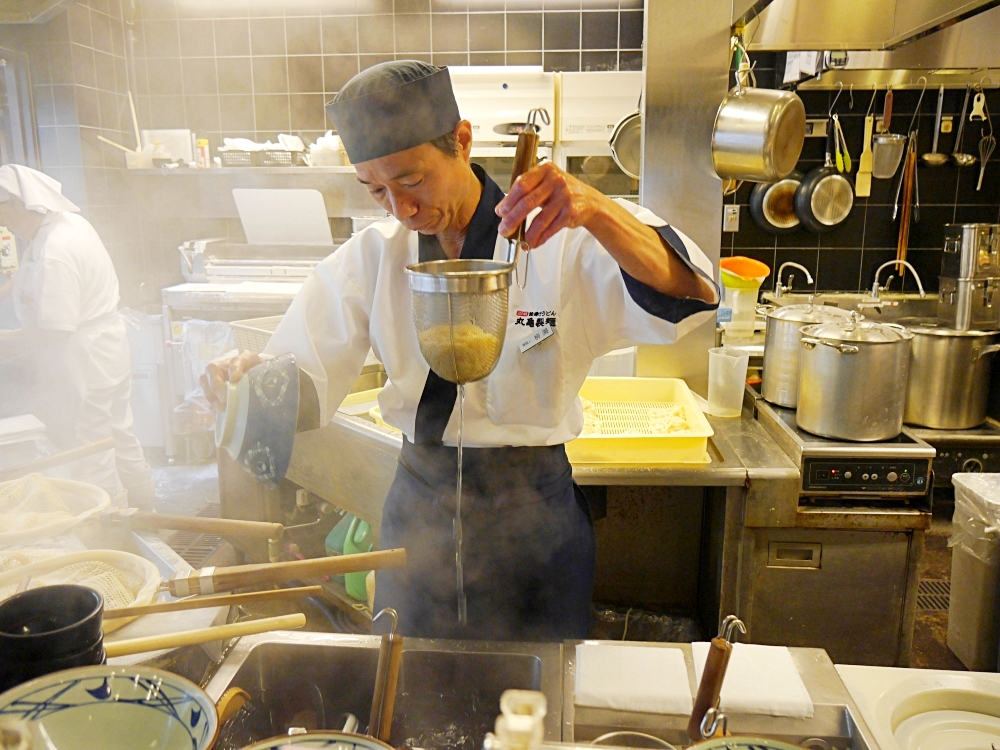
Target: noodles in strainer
475	351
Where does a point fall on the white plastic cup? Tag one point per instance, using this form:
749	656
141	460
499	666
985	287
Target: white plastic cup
727	375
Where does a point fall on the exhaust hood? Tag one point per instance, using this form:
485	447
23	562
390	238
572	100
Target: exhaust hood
848	24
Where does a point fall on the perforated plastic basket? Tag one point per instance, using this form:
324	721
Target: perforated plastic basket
253	334
624	407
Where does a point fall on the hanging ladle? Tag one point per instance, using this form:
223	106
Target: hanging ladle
963	159
934	158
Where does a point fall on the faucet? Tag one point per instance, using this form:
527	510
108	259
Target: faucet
779	288
877	290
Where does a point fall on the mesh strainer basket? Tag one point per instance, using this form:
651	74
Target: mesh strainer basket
887	150
460	313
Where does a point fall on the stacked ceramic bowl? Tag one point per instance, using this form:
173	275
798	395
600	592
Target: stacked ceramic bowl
47	630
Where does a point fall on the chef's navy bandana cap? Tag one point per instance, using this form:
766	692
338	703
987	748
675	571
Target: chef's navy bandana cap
37	191
392	107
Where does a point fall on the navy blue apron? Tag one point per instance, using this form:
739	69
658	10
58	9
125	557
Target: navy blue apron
528	549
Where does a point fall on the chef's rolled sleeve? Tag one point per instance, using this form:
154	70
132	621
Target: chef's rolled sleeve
664	306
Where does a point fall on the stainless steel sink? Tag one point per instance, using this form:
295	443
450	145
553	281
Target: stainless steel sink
836	720
448	694
894	306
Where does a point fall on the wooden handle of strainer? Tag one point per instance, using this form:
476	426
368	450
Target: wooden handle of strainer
524	159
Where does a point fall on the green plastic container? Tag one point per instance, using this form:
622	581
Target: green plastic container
358	539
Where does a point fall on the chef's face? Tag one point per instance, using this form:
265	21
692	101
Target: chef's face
424	187
18	219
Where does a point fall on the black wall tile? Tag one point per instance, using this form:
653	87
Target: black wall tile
413	33
165	77
630	29
524	58
199	76
302	36
600	31
450	33
197	38
270	75
598	61
338	70
340	35
562	31
375	33
412	6
524	31
267	36
839	270
929	231
305	74
804	257
307	112
630	60
232	36
161	39
486	32
850	233
561	61
751	235
487	58
235	76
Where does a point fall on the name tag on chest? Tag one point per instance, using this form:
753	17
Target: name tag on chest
539	335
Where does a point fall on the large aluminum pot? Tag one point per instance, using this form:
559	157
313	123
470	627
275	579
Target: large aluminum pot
852	380
758	134
782	347
949	377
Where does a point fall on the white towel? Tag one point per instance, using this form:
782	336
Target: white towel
632	678
759	680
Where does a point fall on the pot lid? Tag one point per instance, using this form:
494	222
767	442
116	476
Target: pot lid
855	330
933	329
810	313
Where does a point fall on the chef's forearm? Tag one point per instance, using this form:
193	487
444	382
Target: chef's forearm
643	254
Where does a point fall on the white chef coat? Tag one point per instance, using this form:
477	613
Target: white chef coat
359	297
66	282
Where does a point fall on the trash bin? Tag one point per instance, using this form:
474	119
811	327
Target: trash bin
974	609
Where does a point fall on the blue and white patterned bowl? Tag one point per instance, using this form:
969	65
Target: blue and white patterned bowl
116	708
322	740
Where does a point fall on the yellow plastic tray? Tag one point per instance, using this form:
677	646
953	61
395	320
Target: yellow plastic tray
625	403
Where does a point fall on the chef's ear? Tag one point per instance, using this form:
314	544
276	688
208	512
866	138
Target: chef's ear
463	136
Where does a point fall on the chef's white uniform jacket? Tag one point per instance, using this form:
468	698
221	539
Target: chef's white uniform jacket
359	297
67	282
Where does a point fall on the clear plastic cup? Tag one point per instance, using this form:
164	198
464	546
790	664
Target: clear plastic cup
727	375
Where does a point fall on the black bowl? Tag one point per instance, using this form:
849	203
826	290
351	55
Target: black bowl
50	622
14	672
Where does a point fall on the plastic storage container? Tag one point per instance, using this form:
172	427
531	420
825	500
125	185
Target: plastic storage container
974	609
628	401
253	334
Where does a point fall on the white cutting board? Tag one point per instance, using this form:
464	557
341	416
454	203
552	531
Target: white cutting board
283	216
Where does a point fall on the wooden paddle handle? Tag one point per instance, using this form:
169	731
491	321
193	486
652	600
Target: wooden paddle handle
218	526
710	686
524	159
201	602
57	459
203	635
909	174
387	680
887	112
211	580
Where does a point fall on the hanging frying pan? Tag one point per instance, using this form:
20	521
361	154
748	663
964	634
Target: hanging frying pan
772	207
626	144
825	197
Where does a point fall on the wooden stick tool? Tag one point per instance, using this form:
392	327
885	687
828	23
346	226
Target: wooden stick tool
201	602
710	687
390	656
211	580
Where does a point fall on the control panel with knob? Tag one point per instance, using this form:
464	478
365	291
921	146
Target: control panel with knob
892	477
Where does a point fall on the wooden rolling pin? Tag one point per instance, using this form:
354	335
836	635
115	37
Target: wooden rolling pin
140	519
203	635
201	602
57	459
710	687
211	580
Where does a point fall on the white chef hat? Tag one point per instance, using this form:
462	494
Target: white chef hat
37	191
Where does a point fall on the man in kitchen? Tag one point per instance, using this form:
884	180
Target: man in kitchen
603	274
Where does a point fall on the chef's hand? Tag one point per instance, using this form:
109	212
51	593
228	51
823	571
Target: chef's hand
566	203
228	368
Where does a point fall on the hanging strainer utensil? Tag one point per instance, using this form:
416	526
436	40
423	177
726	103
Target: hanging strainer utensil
460	313
887	151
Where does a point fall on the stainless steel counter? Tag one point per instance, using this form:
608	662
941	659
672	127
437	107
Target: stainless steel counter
351	463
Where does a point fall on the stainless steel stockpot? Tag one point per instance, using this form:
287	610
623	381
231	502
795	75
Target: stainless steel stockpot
949	379
782	348
852	379
758	134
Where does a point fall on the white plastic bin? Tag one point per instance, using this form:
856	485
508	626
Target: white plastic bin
974	609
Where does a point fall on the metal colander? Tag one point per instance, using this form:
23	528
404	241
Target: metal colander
887	151
460	313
